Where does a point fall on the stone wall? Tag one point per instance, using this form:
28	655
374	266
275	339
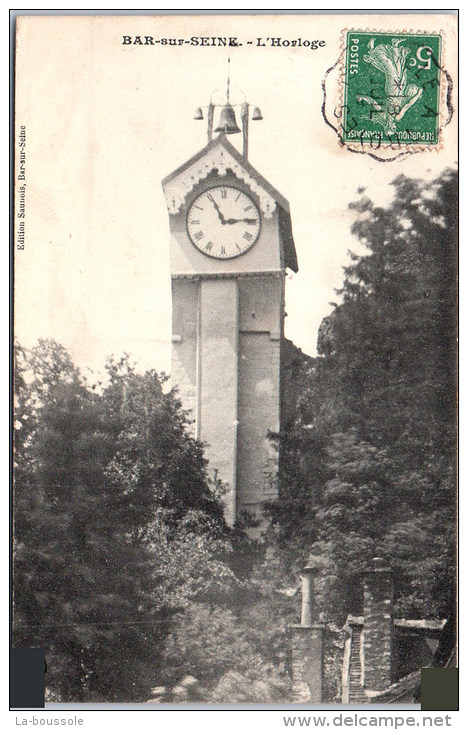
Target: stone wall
185	316
378	639
227	339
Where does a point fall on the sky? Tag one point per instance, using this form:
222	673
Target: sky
105	122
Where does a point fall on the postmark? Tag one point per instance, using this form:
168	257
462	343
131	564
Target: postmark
390	92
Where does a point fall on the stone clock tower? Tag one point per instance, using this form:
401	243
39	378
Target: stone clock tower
231	242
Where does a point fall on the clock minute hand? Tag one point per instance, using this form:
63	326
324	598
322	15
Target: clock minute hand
220	215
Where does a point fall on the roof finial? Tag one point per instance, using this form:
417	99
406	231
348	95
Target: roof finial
227	122
228	79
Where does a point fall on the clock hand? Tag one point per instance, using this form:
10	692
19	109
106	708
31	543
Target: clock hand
230	221
220	215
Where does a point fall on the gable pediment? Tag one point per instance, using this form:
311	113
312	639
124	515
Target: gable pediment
222	156
219	155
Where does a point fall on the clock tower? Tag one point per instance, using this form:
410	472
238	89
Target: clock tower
230	244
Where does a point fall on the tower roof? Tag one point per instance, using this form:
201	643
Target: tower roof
179	183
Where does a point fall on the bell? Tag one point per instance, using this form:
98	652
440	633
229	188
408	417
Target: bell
257	114
227	121
198	114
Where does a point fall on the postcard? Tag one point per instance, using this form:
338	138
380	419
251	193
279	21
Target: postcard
235	284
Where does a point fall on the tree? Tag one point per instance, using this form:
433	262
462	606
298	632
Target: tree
104	479
235	646
397	318
370	458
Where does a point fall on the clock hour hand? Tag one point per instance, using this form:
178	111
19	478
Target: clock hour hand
230	221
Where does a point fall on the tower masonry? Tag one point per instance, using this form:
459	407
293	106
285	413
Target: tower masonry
230	244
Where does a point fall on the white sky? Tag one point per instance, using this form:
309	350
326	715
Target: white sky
106	122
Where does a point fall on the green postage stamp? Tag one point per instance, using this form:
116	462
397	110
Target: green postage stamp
392	88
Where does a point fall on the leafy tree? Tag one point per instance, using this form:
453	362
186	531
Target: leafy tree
104	480
369	462
236	649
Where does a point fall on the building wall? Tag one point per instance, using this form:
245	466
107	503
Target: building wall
258	414
185	323
227	336
260	328
218	362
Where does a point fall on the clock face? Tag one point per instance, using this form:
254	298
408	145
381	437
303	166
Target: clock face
223	222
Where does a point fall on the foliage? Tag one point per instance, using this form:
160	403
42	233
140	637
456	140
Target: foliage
124	569
237	651
110	490
368	465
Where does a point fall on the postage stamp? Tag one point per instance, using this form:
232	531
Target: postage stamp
392	88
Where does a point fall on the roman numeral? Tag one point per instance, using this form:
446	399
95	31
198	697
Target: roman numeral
199	208
249	207
223	250
248	236
210	197
223	193
238	197
194	223
209	246
198	235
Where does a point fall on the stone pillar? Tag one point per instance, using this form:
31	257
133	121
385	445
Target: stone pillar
307	647
307	607
378	628
307	663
